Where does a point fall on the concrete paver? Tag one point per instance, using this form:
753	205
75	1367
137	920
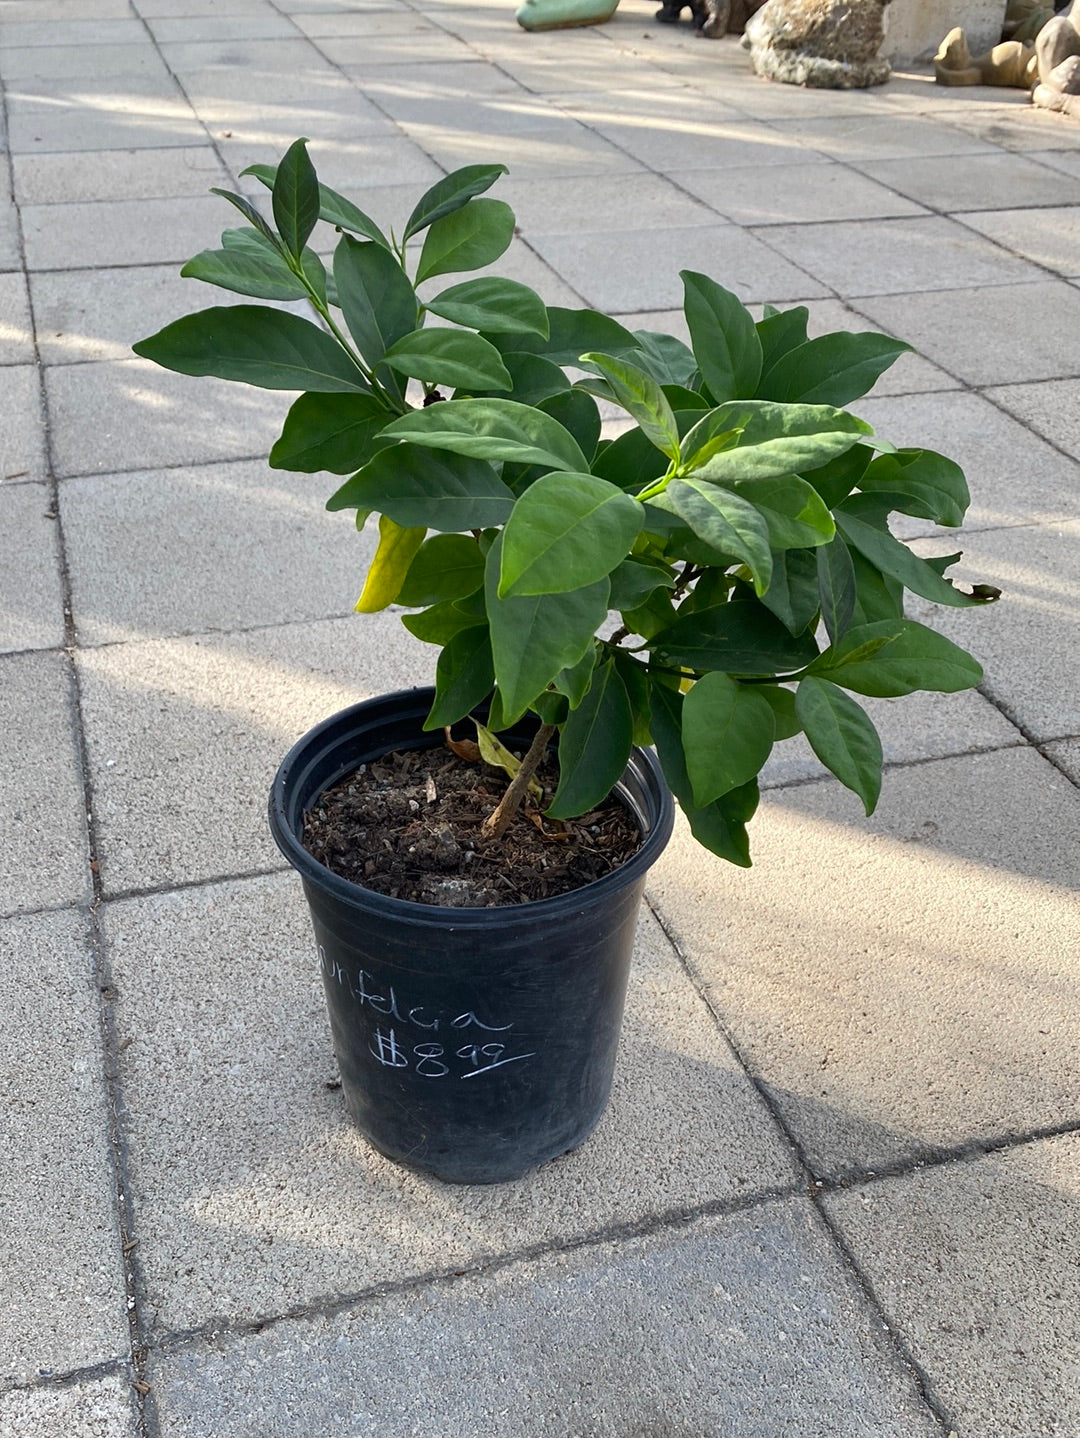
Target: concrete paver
43	853
921	1005
977	1263
585	1343
894	994
64	1305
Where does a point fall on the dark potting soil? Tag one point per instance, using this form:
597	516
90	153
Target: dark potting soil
410	826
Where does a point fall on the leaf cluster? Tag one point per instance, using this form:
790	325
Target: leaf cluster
718	578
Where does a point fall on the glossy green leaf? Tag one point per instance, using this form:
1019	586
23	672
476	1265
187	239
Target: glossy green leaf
447	566
723	336
792	594
635	579
251	213
534	638
448	492
832	369
795	514
331	432
713	433
573	683
256	345
572	332
836	478
295	198
494	305
894	558
667	359
635	676
911	658
594	746
780	439
727	735
497	429
466	239
567	530
533	379
451	193
640	395
576	411
723	520
464	676
261	272
782	703
842	735
335	209
836	587
441	622
630	461
778	332
375	296
720	826
932	486
450	357
738	638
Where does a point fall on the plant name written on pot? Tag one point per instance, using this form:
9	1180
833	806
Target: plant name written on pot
740	531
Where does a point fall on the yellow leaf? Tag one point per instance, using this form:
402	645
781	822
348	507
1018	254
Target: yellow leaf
492	751
397	547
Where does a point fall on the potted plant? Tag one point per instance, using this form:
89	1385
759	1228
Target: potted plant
717	578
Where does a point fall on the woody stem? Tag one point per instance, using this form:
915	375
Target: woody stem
498	821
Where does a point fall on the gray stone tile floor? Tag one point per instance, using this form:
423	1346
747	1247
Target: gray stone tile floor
836	1191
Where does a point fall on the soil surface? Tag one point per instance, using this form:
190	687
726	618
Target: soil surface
410	826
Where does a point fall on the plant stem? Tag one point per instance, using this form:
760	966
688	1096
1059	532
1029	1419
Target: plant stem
498	821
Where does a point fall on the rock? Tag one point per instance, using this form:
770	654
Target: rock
1057	48
827	44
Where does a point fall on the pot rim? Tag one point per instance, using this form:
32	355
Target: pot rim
655	813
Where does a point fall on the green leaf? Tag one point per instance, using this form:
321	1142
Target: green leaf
576	411
255	345
466	239
712	434
836	587
447	566
533	379
635	579
252	215
594	746
794	513
498	429
572	332
894	558
335	209
782	703
494	305
451	193
375	296
723	520
636	678
464	677
877	596
720	826
441	622
534	638
573	683
331	432
450	357
640	395
738	638
566	531
780	439
842	735
261	272
835	479
448	492
911	657
723	336
792	594
667	359
296	198
727	735
630	461
932	486
779	332
832	369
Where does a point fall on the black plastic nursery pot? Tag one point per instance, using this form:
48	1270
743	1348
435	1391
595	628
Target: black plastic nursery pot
473	1044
